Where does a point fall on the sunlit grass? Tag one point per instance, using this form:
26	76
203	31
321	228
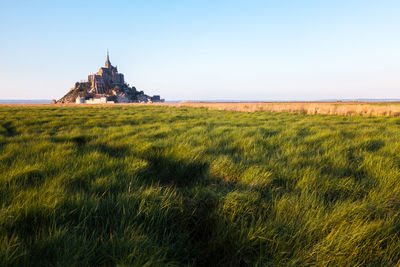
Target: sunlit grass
162	186
331	108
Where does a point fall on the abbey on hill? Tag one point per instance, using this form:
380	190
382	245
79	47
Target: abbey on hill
106	86
106	78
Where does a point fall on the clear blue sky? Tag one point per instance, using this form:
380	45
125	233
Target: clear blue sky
209	49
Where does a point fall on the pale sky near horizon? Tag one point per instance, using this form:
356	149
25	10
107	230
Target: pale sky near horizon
204	50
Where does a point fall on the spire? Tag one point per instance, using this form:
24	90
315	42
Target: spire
108	63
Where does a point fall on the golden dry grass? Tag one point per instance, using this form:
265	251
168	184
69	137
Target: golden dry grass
335	108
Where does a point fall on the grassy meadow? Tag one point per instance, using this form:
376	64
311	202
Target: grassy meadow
164	186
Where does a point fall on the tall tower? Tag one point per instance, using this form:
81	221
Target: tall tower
108	63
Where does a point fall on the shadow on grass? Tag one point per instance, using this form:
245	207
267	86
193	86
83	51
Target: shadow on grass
372	145
27	178
194	224
114	151
168	170
80	140
84	144
9	129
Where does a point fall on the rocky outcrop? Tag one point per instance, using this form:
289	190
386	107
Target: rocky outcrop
80	89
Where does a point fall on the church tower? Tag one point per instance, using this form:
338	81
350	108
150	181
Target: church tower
108	63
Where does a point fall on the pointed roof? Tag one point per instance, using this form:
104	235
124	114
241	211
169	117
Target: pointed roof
108	63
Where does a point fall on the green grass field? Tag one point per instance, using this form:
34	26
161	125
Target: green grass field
161	186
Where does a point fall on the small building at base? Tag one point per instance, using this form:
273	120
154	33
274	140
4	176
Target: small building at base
94	100
80	100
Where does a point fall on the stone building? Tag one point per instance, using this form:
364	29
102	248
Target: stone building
106	78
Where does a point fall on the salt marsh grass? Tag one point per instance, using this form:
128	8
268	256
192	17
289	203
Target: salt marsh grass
328	108
163	186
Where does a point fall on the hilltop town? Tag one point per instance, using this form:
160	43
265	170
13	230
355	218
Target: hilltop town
107	86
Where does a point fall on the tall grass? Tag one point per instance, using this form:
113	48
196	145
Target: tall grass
162	186
327	108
